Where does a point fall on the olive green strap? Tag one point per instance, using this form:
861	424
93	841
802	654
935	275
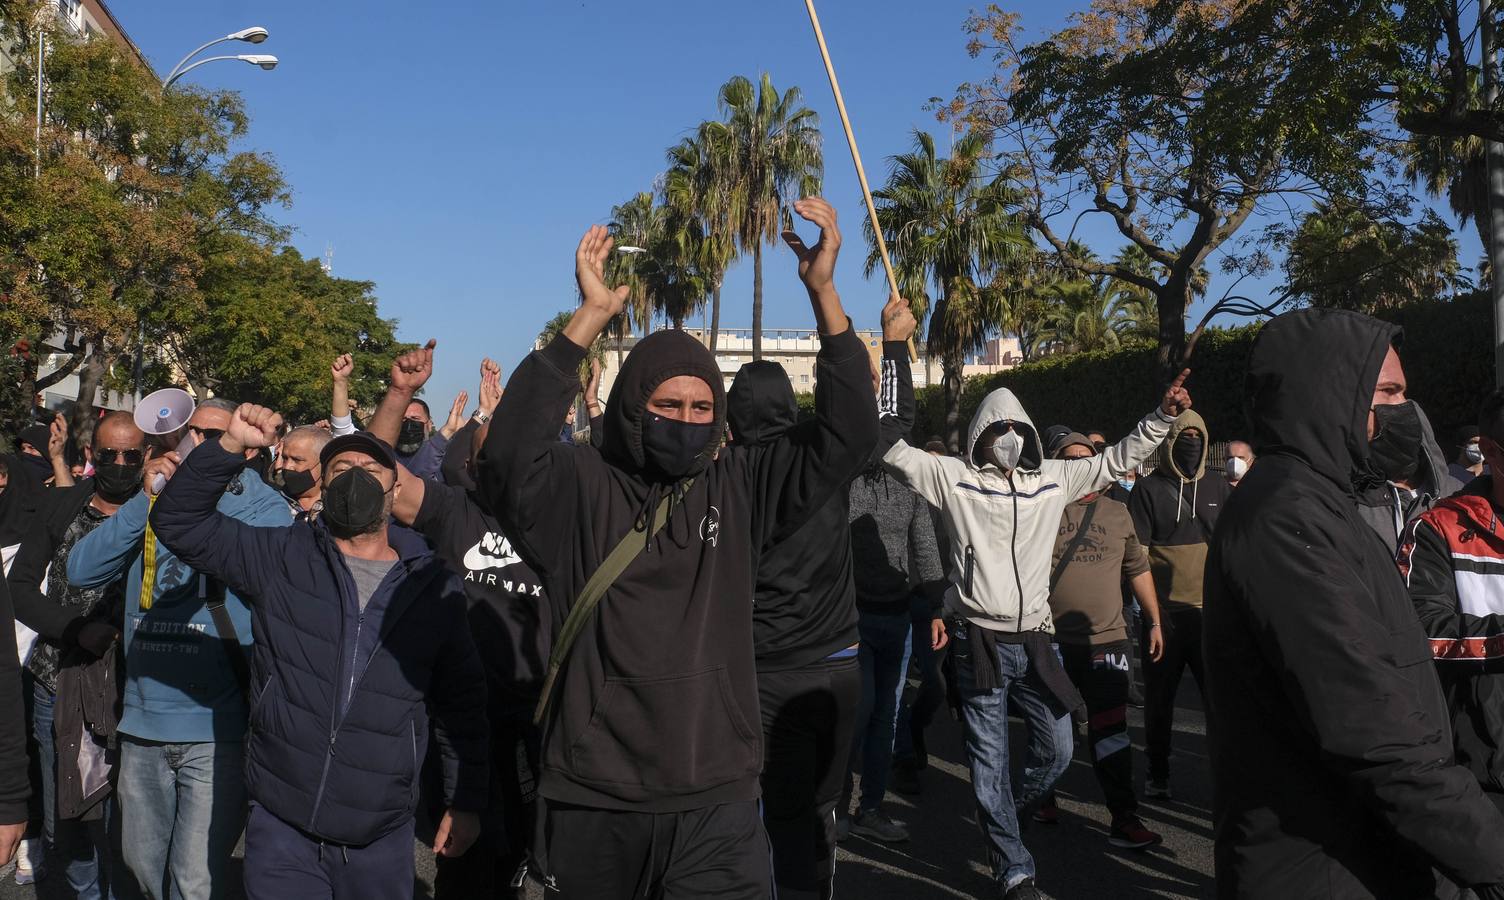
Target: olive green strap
600	581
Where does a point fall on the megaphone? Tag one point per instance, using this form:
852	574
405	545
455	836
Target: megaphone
165	412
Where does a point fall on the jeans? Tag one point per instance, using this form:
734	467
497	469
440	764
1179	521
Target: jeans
884	659
182	808
85	846
999	802
917	714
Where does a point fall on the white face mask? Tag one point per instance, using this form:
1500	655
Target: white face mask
1237	467
1473	454
1006	450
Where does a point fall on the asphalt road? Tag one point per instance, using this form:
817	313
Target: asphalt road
945	856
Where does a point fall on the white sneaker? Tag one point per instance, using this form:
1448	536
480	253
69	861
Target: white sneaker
29	861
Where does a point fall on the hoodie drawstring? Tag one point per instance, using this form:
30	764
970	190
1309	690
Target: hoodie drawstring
1180	498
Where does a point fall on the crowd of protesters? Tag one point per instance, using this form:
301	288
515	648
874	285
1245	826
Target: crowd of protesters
652	662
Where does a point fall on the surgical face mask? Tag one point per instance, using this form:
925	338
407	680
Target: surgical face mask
411	436
1126	484
293	483
1237	467
117	483
1473	454
1005	450
1187	454
354	503
1394	450
671	447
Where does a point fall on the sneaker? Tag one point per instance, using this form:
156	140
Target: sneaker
1157	789
1047	814
905	778
1024	890
29	864
843	828
877	826
1130	834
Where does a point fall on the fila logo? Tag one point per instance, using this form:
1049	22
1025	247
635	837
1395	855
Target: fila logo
492	551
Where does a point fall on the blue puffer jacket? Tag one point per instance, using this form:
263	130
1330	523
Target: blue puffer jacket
338	721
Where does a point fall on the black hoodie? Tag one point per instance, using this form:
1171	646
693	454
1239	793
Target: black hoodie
656	709
1330	749
804	607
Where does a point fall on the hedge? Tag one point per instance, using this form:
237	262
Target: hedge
1448	357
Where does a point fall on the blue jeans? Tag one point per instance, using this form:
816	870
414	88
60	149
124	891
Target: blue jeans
182	808
931	693
84	846
884	658
999	804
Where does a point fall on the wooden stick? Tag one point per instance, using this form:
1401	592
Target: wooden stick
856	157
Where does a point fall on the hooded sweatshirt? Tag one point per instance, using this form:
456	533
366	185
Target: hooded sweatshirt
1002	525
656	707
1174	512
1330	750
802	609
1388	509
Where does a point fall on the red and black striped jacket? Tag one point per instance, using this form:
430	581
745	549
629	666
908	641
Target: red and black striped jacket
1452	558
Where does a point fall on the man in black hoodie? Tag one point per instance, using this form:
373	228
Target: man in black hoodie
651	754
1331	754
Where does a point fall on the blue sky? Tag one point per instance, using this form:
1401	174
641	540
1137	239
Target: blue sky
453	152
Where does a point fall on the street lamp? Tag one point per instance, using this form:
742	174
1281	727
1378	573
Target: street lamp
253	35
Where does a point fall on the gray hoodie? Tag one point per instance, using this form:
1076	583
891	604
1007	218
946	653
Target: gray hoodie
1002	526
1388	509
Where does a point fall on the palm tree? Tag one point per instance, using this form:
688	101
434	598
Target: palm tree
1082	317
1135	309
948	226
634	224
692	189
677	282
764	152
1454	167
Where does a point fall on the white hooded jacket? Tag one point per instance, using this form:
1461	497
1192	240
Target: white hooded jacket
1002	526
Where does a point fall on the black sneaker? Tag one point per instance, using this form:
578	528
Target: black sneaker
1024	890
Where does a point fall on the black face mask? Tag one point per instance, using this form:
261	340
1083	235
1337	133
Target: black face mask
1187	454
41	464
292	483
116	483
410	437
670	447
354	503
1394	451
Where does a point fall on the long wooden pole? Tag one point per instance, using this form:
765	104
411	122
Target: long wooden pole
856	155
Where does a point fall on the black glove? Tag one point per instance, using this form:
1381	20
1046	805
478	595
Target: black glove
97	637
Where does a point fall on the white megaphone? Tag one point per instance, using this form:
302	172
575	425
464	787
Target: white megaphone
165	412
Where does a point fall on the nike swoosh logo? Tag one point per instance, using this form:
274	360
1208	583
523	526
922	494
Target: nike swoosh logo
492	551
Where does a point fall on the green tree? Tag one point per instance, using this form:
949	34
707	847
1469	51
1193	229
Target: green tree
949	227
765	153
1341	258
635	226
1175	121
694	189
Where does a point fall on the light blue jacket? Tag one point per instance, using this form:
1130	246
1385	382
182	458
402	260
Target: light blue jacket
179	685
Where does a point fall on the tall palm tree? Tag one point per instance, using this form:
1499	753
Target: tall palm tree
1135	309
1082	317
677	283
765	153
694	191
1456	168
634	224
951	227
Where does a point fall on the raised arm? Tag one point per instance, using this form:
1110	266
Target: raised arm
1080	477
57	443
340	420
187	521
1353	690
800	471
527	479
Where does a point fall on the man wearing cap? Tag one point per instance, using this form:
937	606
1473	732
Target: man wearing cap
358	643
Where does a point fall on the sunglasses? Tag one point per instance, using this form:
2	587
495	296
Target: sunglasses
108	455
207	434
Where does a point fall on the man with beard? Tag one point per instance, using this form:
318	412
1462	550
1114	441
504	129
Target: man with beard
651	753
1330	749
357	643
67	616
510	624
296	473
180	781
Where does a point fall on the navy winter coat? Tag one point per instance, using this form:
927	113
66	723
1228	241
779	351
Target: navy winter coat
338	721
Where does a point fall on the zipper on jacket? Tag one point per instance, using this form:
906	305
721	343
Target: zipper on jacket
1013	549
970	561
360	622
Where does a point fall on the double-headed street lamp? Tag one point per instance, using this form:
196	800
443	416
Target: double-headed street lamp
253	35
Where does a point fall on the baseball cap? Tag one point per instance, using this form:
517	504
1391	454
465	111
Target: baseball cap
361	442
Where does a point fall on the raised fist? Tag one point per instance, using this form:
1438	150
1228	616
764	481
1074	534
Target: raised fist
342	367
251	428
410	371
